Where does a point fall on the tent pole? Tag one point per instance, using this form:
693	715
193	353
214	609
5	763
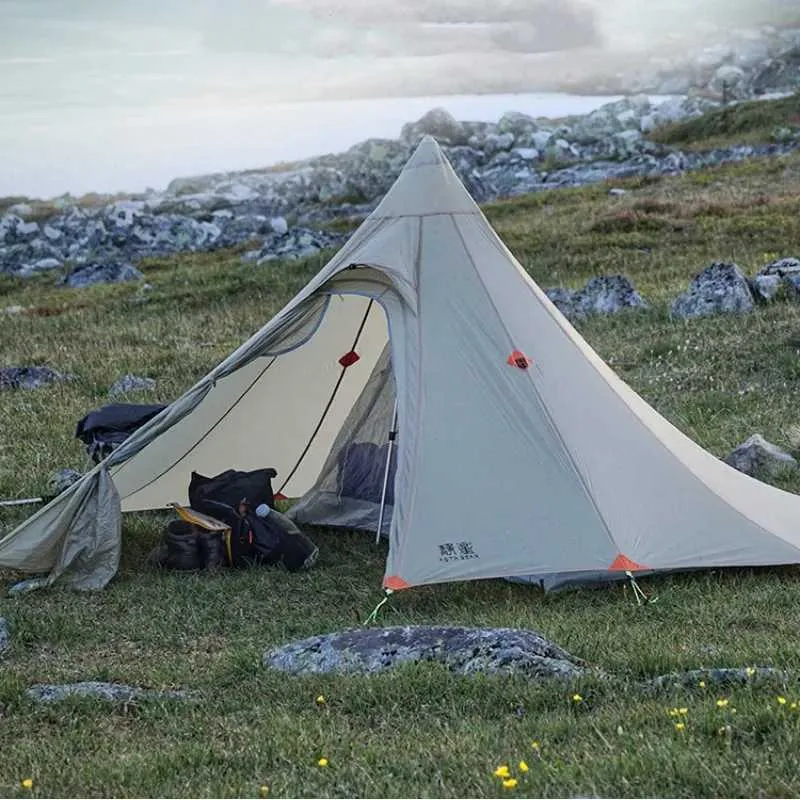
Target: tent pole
392	436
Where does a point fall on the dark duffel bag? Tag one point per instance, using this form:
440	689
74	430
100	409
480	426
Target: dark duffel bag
231	487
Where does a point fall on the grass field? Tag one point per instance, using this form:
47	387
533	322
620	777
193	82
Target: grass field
419	731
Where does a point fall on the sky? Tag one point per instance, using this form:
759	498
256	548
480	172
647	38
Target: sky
115	77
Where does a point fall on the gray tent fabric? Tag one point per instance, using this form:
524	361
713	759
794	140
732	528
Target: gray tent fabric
82	536
520	453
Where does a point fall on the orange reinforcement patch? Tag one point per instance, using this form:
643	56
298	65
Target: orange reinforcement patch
622	564
395	583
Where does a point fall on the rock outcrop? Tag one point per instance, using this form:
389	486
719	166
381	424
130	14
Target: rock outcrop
465	651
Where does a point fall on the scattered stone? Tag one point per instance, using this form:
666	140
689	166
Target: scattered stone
29	585
60	480
562	299
721	288
5	637
112	692
617	192
759	458
466	651
783	273
279	225
93	273
717	676
607	294
130	383
30	377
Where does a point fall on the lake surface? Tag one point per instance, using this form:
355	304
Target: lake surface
45	152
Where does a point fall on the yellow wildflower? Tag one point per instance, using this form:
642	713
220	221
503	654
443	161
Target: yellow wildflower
576	698
750	672
679	726
27	783
683	711
793	706
722	703
535	746
323	762
781	700
320	700
523	767
502	771
702	684
509	783
264	790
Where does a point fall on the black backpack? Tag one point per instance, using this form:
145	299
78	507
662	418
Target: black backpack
231	487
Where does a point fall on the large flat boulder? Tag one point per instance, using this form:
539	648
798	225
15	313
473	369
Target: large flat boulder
465	651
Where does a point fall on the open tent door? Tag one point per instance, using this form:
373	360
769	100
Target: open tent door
350	487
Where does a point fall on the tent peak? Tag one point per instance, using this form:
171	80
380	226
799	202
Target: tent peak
427	154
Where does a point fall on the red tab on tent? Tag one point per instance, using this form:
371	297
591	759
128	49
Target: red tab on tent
280	496
519	359
395	583
623	564
349	358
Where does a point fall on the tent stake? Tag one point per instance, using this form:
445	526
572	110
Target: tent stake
392	436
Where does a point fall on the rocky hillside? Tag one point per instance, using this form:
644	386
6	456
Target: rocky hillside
279	212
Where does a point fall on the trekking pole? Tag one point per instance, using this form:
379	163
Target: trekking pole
392	437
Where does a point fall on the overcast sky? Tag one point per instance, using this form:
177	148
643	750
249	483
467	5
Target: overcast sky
114	77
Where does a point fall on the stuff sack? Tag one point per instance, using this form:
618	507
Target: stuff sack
231	487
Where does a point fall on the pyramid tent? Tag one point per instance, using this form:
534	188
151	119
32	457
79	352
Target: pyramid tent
519	452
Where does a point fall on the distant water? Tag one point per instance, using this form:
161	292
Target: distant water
45	153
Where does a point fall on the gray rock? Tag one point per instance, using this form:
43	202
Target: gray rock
60	480
112	692
616	191
729	81
30	377
29	585
759	458
498	142
562	299
520	126
783	272
466	651
440	124
608	294
91	273
541	138
296	243
717	676
721	288
46	264
5	637
130	383
279	225
53	234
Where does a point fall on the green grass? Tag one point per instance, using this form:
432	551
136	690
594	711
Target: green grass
419	731
753	122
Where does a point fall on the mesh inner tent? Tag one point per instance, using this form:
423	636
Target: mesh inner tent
348	491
